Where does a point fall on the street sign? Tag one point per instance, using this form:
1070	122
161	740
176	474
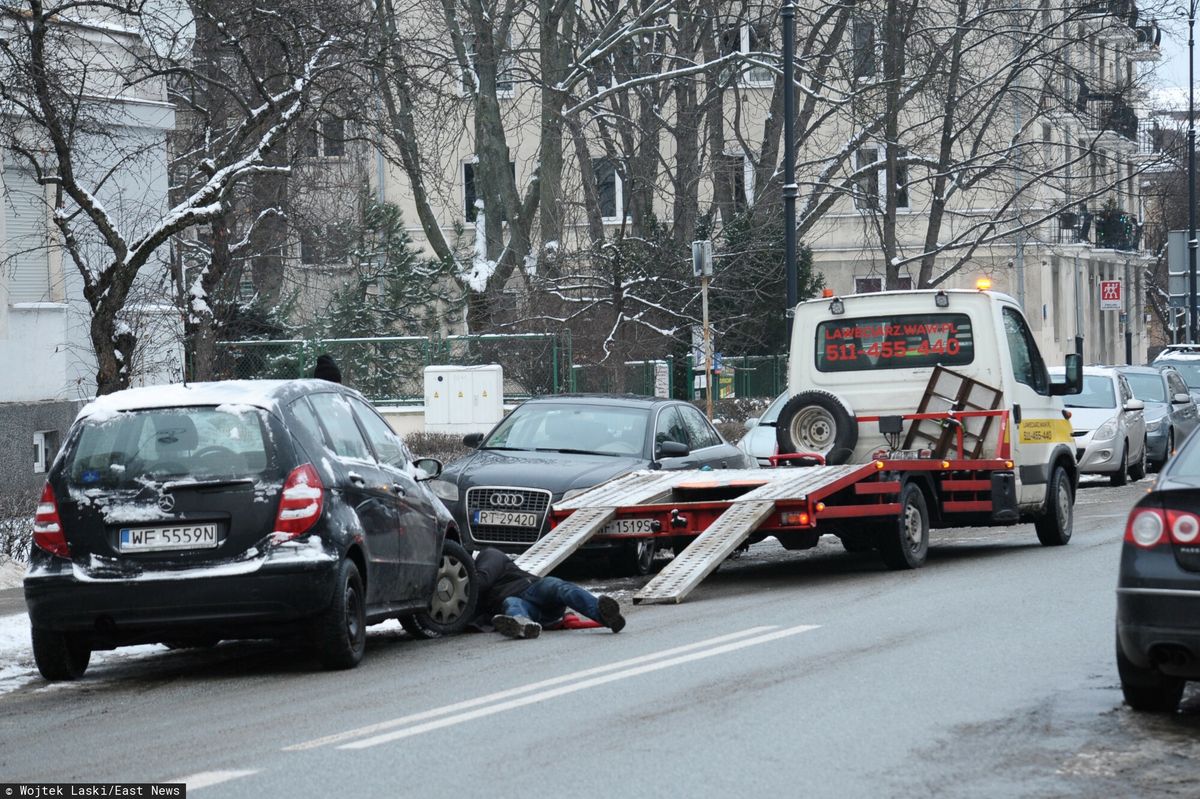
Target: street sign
1110	295
702	258
1177	268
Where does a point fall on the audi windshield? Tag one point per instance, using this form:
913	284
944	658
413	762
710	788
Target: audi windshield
597	429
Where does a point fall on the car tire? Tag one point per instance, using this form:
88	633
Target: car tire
817	421
635	558
60	656
1121	476
1148	690
1055	526
455	597
1139	469
340	631
904	543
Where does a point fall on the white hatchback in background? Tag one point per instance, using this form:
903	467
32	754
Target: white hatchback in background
1109	428
759	442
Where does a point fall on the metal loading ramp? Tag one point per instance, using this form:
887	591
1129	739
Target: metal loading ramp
559	544
686	570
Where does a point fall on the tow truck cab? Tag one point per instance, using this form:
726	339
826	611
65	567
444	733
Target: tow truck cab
874	354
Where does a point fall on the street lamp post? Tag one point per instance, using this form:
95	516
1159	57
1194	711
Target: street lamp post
1191	145
790	189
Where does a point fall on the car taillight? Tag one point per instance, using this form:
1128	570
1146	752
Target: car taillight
47	526
1149	527
1145	527
300	503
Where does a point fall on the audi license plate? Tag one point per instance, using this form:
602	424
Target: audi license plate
505	518
159	539
628	527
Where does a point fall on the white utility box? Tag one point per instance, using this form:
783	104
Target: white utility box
463	399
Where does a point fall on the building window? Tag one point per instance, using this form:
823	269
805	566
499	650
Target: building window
871	186
471	195
609	189
748	39
328	139
865	61
871	285
505	84
737	170
45	448
328	246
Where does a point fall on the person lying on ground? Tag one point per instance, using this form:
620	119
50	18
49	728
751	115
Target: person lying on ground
519	603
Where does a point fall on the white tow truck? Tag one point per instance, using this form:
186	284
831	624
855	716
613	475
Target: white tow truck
909	410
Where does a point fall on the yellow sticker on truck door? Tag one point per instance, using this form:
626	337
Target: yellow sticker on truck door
1044	431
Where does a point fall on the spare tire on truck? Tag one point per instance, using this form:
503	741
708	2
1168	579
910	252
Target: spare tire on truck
817	421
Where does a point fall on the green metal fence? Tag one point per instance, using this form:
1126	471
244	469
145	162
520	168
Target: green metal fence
744	376
389	369
645	378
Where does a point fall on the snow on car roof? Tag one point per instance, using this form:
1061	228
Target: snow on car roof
258	393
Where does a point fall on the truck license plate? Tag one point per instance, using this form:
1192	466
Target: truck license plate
159	539
628	527
506	518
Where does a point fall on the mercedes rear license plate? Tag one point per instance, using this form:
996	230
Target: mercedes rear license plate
505	518
177	536
628	527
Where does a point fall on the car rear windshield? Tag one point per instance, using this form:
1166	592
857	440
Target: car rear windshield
1189	369
600	429
1147	388
894	342
1097	393
127	449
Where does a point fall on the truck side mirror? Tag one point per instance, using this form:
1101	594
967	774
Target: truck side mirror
1072	382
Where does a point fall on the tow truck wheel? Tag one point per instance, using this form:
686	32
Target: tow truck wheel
1055	526
904	543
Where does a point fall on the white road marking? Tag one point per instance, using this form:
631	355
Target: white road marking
382	726
206	778
572	688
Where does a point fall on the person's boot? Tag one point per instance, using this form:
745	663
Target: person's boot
610	614
516	626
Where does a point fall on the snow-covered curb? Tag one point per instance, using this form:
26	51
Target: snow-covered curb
11	573
17	668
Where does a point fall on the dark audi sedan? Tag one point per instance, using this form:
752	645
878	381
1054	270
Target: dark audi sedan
188	514
1158	591
553	448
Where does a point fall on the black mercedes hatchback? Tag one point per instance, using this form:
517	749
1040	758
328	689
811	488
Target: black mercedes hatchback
1158	590
188	514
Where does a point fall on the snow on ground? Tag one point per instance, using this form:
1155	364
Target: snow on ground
18	670
11	573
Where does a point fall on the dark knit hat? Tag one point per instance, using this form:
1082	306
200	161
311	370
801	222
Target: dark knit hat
327	369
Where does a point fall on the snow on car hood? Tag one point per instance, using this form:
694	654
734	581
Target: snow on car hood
556	472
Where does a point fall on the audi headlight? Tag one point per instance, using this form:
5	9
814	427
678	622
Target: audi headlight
445	490
1105	431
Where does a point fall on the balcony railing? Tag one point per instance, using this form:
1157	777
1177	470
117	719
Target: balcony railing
1110	112
1125	10
1117	230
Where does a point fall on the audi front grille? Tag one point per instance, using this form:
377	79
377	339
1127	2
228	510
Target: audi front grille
503	498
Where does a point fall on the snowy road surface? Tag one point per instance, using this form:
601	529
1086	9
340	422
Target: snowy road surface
988	673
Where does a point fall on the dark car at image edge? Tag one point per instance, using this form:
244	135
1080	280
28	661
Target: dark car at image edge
1158	588
189	514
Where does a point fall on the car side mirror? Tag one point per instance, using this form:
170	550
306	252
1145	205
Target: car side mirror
751	423
1134	405
1072	382
671	449
1181	397
427	468
473	440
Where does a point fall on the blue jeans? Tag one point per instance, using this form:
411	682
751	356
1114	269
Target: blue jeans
547	599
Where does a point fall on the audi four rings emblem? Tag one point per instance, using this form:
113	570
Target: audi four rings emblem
506	500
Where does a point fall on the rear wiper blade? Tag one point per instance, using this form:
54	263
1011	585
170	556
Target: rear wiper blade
186	485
